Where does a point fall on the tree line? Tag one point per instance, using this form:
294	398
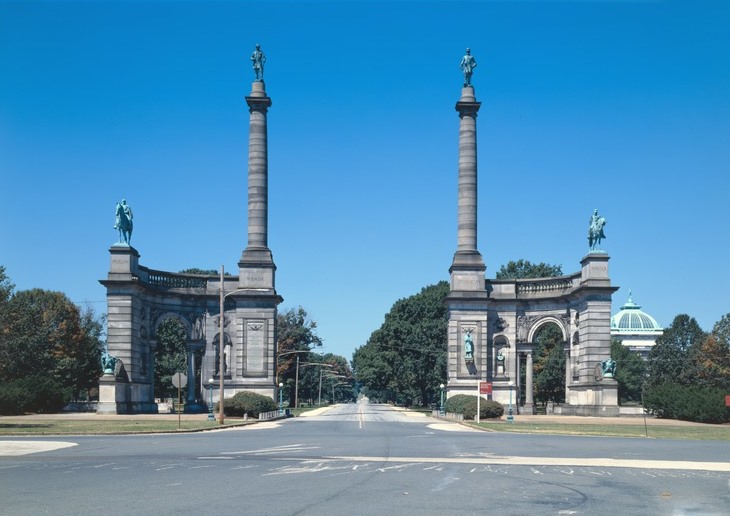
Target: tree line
50	350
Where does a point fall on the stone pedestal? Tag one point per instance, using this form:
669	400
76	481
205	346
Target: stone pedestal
112	396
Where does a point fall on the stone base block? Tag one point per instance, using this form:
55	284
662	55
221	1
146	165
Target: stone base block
588	410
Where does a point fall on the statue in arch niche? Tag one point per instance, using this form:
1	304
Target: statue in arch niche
468	346
501	359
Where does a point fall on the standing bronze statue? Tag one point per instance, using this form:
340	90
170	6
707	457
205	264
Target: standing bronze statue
468	63
468	346
258	58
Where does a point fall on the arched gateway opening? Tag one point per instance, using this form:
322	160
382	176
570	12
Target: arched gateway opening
549	350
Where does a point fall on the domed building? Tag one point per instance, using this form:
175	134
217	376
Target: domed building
635	328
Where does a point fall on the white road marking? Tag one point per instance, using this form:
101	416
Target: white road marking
17	448
554	461
289	448
452	427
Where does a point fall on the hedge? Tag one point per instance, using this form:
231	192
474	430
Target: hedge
687	403
467	406
247	402
37	393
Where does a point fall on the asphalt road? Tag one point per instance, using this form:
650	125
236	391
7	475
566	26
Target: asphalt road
362	459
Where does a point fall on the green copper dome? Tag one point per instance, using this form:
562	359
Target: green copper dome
632	319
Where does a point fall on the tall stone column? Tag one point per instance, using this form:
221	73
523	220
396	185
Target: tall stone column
467	256
468	300
257	265
250	338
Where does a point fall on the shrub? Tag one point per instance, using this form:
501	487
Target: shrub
37	393
13	399
467	406
687	403
247	402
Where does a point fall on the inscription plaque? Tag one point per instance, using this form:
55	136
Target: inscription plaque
255	352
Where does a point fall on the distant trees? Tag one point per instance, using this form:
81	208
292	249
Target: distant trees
630	372
296	338
49	349
170	358
669	359
689	372
404	361
522	269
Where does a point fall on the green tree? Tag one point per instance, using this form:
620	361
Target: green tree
522	269
721	329
80	369
670	359
170	358
204	272
296	337
43	335
405	359
316	382
630	372
711	361
6	287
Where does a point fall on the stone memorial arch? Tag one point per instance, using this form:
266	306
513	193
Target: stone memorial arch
140	298
493	323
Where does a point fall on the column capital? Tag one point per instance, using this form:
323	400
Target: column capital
261	104
468	108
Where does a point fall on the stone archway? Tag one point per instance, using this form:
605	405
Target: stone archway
548	343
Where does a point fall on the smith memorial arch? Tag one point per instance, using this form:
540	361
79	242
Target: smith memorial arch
492	323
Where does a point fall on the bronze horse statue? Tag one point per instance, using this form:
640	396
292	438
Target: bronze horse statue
124	222
595	232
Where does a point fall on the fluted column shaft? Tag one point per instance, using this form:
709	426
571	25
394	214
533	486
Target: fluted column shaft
529	400
467	202
258	167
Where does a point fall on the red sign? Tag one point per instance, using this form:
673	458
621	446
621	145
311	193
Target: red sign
485	387
727	401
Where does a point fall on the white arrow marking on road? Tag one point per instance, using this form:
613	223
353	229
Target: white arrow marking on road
16	448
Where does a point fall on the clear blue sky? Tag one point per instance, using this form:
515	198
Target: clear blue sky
616	105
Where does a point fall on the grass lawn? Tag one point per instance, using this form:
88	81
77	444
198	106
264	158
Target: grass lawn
65	426
664	431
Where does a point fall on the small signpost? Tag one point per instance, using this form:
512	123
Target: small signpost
484	388
179	380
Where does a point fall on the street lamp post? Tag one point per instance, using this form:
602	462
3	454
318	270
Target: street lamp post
210	405
296	381
221	361
281	400
331	375
441	408
510	417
